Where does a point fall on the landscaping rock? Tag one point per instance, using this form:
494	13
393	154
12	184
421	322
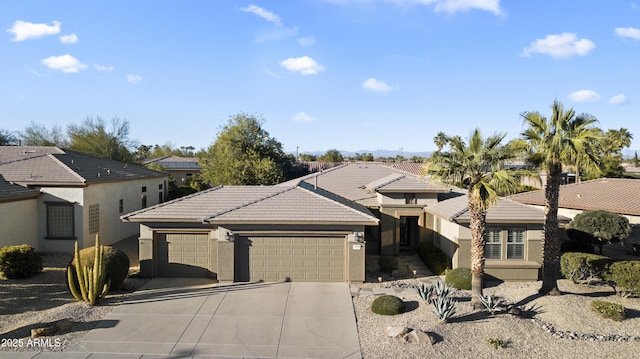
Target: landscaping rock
52	329
397	332
417	336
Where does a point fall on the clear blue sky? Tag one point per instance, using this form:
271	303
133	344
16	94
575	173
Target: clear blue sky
345	74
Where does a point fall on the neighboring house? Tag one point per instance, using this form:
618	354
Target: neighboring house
319	227
180	169
81	195
410	167
617	195
18	206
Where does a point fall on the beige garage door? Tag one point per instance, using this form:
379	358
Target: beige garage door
183	255
310	259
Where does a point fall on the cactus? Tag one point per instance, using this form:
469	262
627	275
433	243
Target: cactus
441	289
90	280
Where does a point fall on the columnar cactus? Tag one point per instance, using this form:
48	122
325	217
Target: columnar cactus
90	280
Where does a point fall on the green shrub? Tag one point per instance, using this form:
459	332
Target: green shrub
576	246
625	276
388	263
434	258
388	305
459	278
581	267
116	263
496	343
19	261
608	310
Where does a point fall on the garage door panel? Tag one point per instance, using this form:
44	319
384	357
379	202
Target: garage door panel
297	258
183	255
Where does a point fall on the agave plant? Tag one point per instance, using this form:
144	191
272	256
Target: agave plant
440	289
426	292
444	307
490	303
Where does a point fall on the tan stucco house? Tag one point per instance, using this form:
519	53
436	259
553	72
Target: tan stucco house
18	206
79	196
616	195
319	227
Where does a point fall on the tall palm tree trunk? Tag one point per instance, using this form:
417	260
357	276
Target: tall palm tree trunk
551	240
477	226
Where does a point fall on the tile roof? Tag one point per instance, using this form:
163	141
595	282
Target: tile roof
350	181
399	183
410	167
38	165
12	192
174	162
256	204
504	211
617	195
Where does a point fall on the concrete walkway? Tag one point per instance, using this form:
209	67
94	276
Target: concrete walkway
193	318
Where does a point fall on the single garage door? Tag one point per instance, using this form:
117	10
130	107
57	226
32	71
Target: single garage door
310	259
183	255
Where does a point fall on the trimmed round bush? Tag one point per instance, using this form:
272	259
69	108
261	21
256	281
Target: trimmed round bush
388	305
609	310
625	276
459	278
580	267
388	263
19	261
116	265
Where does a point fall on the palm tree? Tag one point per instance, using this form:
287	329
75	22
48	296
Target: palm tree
553	143
479	165
440	140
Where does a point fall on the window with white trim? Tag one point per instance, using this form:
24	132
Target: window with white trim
505	243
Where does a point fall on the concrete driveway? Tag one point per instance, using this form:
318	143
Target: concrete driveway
194	318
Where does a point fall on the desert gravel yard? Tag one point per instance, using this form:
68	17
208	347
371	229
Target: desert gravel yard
467	333
44	298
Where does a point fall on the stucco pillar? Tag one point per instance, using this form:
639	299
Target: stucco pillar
388	227
226	256
356	257
145	251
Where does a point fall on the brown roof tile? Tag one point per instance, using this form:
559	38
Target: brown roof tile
617	195
38	165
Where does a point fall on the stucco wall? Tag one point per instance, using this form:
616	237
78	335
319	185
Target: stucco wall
108	195
18	223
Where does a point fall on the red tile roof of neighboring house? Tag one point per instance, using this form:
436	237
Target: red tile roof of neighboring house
617	195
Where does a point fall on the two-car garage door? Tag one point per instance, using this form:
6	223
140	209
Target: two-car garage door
307	259
268	258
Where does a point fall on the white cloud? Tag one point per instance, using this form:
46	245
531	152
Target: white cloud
102	67
306	41
265	14
134	79
563	45
448	6
68	39
453	6
65	63
302	117
618	99
304	65
23	30
584	96
630	32
375	85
